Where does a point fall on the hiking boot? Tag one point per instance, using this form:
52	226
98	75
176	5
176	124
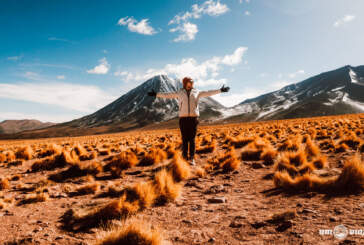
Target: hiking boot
192	162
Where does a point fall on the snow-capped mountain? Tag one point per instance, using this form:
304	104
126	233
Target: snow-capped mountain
136	108
335	92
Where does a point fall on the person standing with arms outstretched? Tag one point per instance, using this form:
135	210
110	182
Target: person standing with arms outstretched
188	98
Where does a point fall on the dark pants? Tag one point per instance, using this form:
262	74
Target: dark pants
188	127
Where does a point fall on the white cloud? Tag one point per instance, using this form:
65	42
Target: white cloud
343	20
209	7
83	98
188	29
141	27
60	39
247	13
61	77
102	68
234	58
31	75
204	73
294	74
188	32
15	58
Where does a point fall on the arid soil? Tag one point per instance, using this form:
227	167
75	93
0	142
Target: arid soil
239	199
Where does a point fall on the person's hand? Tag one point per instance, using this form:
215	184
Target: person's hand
152	93
224	89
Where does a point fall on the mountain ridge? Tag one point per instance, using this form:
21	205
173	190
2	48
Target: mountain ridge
340	91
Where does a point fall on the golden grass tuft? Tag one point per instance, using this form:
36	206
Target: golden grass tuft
89	156
134	233
208	148
342	147
10	155
145	194
200	172
180	168
33	198
57	161
227	161
3	157
165	187
90	188
25	153
4	183
352	175
350	180
104	152
52	149
116	209
122	161
320	162
239	142
311	148
154	156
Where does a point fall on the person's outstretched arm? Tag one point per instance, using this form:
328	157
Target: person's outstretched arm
170	95
213	92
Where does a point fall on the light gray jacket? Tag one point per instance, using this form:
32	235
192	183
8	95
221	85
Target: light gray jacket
188	105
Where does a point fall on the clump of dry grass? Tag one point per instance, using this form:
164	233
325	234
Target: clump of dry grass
350	180
90	188
10	155
227	161
57	161
208	148
180	168
342	147
154	156
144	193
104	152
116	209
25	153
33	198
4	183
80	150
52	149
122	161
77	170
165	187
136	233
170	149
3	158
352	141
200	172
311	148
320	162
290	145
238	142
352	176
2	204
89	156
268	156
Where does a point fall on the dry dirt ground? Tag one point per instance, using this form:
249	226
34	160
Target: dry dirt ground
222	207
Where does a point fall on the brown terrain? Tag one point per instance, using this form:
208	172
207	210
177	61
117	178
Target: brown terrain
16	126
276	182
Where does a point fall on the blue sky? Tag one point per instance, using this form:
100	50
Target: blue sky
60	60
